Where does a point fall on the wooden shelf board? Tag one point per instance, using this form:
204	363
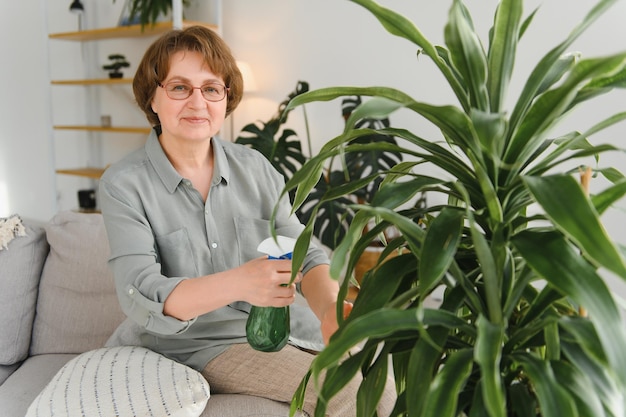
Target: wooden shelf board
95	173
112	129
93	81
132	31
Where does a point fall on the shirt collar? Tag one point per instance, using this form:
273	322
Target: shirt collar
170	177
221	167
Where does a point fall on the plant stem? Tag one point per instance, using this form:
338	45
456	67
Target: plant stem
585	179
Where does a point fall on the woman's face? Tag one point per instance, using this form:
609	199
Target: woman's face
193	118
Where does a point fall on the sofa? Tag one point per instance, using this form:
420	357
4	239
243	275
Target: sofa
58	309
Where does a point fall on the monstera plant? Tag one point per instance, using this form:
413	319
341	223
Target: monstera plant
283	148
527	325
332	216
278	143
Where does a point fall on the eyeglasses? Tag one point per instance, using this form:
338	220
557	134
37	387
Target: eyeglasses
178	90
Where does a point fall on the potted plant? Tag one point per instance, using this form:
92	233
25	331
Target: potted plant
117	62
363	169
527	325
283	149
280	145
146	11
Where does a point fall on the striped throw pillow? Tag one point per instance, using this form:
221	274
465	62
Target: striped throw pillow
122	381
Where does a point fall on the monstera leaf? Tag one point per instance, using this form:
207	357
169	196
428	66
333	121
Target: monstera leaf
282	148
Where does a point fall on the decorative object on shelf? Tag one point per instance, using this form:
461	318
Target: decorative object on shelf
515	243
118	62
78	9
105	120
146	12
87	199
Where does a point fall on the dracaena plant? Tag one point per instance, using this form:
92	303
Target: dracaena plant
527	325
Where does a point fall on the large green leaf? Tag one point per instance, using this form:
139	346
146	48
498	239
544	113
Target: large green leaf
467	54
579	387
551	105
399	25
612	396
554	400
609	196
570	210
554	259
439	247
487	354
546	64
442	397
502	50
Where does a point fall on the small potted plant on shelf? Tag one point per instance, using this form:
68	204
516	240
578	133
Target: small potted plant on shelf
146	11
117	62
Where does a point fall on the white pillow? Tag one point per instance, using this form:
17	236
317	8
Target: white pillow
122	381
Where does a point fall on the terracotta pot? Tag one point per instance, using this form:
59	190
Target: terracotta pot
367	261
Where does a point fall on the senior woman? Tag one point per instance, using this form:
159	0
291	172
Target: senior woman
184	216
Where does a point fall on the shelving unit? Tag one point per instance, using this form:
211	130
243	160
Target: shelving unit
119	32
84	142
94	81
104	132
111	129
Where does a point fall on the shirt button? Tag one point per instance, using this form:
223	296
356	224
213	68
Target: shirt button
131	291
214	245
206	211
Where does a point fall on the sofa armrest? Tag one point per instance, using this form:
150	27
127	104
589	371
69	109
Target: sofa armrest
21	264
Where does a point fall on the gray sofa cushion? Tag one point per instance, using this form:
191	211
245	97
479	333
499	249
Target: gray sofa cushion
24	385
20	268
77	308
6	371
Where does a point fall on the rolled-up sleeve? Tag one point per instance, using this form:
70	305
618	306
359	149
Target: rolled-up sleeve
141	287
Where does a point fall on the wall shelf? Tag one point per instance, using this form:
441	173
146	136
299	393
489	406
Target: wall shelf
96	94
93	81
93	173
112	129
131	31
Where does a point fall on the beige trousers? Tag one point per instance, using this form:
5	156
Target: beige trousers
243	370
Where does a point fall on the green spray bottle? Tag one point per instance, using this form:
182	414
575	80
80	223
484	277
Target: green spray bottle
268	328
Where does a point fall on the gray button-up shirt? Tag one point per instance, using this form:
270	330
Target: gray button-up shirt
161	232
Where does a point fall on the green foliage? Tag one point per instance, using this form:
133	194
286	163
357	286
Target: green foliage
354	178
117	62
282	148
331	216
510	337
149	11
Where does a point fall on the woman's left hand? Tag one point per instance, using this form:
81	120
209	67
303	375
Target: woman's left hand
329	324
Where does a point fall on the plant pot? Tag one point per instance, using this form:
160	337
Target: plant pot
367	261
115	75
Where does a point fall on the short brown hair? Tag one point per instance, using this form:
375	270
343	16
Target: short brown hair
155	65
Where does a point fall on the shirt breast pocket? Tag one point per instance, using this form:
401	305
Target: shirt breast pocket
176	255
250	232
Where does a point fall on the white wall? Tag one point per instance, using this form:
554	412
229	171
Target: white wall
324	42
26	183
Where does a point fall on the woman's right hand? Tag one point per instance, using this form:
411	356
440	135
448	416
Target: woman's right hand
264	282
